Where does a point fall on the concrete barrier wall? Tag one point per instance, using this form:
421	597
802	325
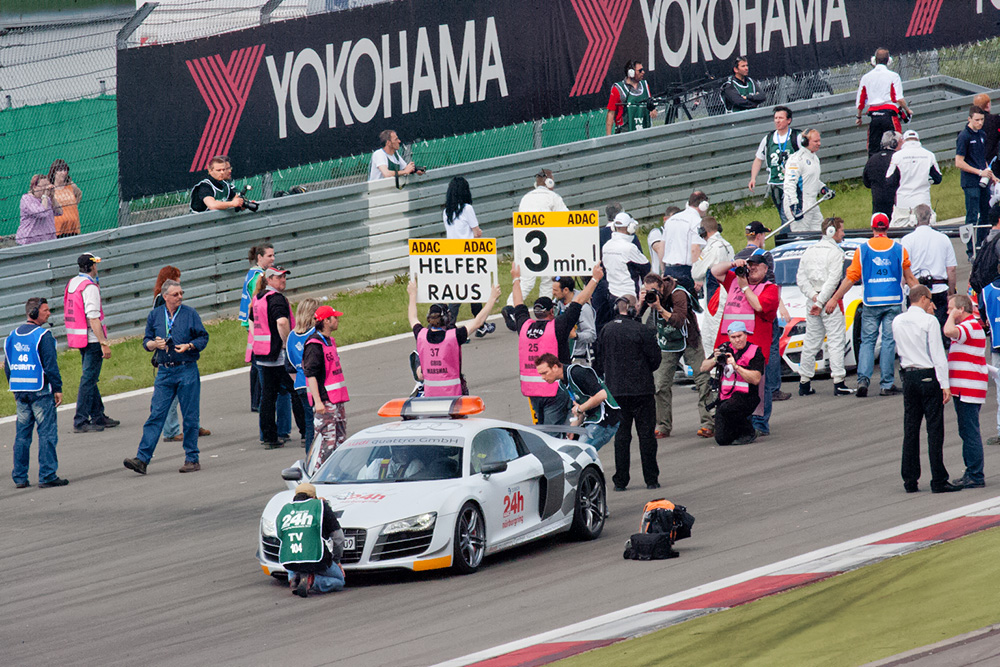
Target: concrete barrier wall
354	235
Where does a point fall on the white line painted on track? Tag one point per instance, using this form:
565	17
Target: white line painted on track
230	373
781	566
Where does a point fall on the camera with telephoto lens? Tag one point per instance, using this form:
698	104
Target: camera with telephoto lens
247	204
652	296
741	271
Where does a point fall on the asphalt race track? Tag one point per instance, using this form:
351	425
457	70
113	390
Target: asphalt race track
120	569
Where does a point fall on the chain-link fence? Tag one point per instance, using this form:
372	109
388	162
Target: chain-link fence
57	101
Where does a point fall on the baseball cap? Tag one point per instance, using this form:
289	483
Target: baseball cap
736	327
86	260
310	490
276	271
911	134
880	221
758	256
544	303
324	312
623	219
757	227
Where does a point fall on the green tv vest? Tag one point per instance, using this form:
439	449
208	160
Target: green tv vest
300	529
636	114
596	415
777	154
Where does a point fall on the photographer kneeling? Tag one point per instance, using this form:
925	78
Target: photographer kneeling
218	192
738	364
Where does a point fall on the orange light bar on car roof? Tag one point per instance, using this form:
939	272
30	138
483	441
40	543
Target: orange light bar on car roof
444	406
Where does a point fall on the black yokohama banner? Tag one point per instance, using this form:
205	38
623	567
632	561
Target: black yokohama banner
324	86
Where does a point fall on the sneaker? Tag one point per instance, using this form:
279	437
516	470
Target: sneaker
757	433
277	444
779	395
891	391
661	434
995	440
805	389
136	465
108	422
202	432
175	438
190	466
55	481
841	389
87	427
706	432
746	439
966	483
302	587
487	328
862	390
22	485
507	312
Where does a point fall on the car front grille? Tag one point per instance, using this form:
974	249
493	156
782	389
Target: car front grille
272	545
401	545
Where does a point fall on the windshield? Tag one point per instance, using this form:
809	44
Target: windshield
375	460
786	266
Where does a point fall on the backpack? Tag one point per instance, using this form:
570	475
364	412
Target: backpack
662	524
984	269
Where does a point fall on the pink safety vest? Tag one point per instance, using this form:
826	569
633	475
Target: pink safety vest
75	315
259	335
735	383
441	364
336	388
738	309
534	340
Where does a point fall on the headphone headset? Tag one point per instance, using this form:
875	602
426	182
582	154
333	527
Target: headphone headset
830	230
630	311
630	69
703	206
549	183
887	64
33	315
632	226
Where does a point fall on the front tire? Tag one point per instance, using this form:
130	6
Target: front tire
470	539
591	506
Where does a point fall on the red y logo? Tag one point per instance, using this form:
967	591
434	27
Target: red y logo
602	22
224	87
924	17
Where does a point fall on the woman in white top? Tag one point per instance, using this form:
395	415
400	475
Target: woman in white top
460	223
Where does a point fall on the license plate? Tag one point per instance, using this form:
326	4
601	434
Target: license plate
348	544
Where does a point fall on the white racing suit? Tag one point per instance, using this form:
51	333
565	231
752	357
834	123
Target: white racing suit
801	190
821	269
715	251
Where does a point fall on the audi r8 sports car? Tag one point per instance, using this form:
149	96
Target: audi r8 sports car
439	489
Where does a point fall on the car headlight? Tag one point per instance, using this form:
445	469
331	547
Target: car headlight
268	528
798	329
416	523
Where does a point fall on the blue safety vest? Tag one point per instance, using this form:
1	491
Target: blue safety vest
882	275
245	297
23	360
295	345
991	301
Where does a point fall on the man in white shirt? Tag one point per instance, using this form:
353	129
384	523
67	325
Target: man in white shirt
623	262
821	269
924	367
917	168
803	185
681	244
654	241
932	260
385	161
881	90
716	251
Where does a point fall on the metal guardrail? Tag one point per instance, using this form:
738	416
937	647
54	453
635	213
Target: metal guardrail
354	235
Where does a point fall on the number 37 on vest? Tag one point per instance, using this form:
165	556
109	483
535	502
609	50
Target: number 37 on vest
557	243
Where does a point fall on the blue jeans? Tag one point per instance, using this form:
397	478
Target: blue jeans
35	408
283	418
872	318
598	435
184	383
307	414
89	406
972	441
772	382
172	424
327	581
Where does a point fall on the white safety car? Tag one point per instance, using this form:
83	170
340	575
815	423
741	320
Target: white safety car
439	489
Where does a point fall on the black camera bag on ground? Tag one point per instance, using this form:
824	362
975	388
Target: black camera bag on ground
663	523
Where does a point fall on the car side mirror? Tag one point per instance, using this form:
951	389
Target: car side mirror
492	467
291	474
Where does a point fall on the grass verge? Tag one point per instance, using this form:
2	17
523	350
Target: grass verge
381	310
868	614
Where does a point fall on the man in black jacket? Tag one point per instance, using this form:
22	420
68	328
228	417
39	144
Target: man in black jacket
874	177
628	355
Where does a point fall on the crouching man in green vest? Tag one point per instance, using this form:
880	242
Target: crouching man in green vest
593	406
312	543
